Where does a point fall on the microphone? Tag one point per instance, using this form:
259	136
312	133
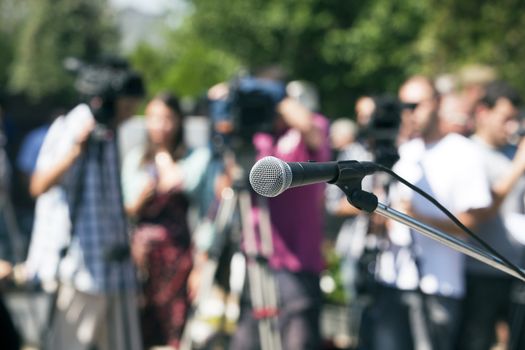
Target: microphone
271	176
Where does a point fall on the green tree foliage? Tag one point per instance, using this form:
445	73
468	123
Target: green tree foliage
346	47
184	64
53	30
350	48
6	56
465	32
11	14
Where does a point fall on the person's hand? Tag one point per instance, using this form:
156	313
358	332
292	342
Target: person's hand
405	206
83	136
139	253
195	277
519	157
194	282
170	173
295	114
149	190
298	117
20	274
6	270
219	91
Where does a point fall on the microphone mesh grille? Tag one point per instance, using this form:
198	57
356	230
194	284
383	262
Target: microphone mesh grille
270	176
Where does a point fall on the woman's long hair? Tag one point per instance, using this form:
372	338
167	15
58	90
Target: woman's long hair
177	148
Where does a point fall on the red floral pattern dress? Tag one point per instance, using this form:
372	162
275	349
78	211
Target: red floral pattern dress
162	251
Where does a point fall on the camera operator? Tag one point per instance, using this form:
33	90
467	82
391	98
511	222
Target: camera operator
79	210
296	134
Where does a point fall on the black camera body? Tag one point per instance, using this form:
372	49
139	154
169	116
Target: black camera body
382	130
108	79
250	106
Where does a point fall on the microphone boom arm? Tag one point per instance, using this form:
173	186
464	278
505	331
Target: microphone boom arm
368	202
447	239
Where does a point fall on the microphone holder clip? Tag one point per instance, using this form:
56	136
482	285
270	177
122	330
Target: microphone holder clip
351	174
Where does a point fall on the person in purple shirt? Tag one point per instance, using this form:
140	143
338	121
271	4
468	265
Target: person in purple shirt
296	219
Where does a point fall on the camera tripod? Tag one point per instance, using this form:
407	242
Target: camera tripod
117	254
234	216
14	234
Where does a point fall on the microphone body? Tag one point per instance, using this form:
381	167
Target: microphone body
307	173
271	176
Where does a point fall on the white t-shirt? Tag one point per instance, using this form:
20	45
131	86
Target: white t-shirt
52	226
450	170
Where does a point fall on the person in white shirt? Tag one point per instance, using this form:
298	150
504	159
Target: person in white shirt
421	281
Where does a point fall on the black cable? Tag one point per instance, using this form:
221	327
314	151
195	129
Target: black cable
453	218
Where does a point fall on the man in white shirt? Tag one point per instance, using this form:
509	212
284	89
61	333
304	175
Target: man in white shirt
421	282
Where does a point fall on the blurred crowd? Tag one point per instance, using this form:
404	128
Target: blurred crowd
136	222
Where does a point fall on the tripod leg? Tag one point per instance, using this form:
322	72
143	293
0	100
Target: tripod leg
223	219
268	282
262	285
13	230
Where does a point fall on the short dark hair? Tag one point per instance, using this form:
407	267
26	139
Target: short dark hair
500	89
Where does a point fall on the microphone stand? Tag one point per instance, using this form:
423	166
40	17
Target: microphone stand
350	183
446	239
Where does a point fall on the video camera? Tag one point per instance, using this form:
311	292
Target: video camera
108	79
382	130
250	106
